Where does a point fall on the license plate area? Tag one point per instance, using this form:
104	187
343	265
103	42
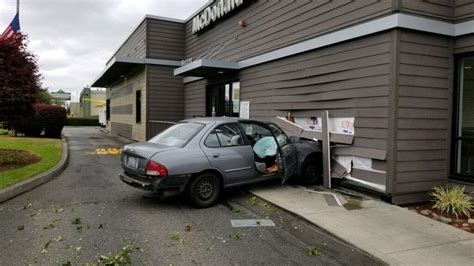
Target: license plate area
131	162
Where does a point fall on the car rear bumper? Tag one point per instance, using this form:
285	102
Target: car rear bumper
156	184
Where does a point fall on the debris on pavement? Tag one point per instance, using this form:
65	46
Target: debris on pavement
175	236
252	222
313	251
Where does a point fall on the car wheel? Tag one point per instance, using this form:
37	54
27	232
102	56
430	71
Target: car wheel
204	190
311	171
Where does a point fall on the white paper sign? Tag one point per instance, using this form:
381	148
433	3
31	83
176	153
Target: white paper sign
342	125
245	109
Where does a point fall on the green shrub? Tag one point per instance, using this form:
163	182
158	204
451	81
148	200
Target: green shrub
52	119
47	118
452	200
4	131
79	121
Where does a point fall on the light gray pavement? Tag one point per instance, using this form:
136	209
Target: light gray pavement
390	233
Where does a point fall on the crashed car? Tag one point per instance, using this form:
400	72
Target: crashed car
203	156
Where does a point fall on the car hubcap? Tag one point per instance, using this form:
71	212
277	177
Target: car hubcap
205	189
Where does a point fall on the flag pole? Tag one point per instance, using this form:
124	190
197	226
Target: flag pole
18	6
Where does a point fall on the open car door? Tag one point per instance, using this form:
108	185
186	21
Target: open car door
287	156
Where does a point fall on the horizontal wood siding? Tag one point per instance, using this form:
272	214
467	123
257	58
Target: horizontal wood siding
349	80
464	44
275	24
165	94
441	9
121	129
463	10
195	99
424	100
165	39
135	45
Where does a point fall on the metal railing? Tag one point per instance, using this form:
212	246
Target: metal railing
155	127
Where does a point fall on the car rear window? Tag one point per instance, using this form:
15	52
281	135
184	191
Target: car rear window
177	135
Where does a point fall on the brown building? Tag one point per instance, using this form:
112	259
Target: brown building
400	71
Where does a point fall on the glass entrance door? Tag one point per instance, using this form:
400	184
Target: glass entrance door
223	99
464	136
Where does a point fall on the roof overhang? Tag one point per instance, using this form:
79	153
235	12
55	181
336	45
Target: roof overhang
205	68
118	67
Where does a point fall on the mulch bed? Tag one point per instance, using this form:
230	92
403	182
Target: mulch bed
427	210
13	159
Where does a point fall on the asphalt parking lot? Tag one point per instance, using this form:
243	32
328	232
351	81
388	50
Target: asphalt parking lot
87	212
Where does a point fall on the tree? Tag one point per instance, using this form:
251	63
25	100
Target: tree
20	81
44	97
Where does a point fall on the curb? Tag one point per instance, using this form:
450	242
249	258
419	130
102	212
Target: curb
32	182
367	250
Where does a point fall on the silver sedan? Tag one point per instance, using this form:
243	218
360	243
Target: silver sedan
203	156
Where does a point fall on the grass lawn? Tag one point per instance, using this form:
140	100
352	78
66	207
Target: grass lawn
48	149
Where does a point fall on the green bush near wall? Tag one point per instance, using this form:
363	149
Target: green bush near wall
80	121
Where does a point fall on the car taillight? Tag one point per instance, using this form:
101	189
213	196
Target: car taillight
156	169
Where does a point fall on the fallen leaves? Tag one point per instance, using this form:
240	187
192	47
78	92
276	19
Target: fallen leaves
253	200
313	251
175	236
123	257
49	226
187	228
78	223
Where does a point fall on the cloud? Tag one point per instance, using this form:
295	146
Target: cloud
73	39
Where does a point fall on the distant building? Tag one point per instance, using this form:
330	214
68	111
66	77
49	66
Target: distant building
75	109
60	97
91	101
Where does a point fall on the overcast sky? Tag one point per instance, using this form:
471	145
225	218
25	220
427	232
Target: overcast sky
73	39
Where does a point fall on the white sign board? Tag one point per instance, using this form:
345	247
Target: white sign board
245	109
342	125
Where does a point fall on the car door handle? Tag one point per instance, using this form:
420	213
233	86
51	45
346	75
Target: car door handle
216	155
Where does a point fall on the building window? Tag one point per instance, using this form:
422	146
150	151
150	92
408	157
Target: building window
107	110
464	131
138	104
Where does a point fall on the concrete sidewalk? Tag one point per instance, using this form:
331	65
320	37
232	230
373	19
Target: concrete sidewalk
387	232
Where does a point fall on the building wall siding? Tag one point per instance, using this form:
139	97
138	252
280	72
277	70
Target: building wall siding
123	106
195	98
121	129
349	80
463	10
165	39
135	45
424	113
275	24
464	44
165	94
442	9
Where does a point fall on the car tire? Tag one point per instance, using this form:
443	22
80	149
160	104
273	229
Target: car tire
204	190
311	171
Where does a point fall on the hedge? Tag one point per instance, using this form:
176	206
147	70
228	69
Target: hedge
82	121
47	118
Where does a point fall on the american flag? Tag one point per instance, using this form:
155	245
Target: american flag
13	28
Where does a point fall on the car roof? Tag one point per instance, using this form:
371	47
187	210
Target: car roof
222	119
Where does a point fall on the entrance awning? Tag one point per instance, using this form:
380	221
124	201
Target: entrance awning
205	68
118	67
